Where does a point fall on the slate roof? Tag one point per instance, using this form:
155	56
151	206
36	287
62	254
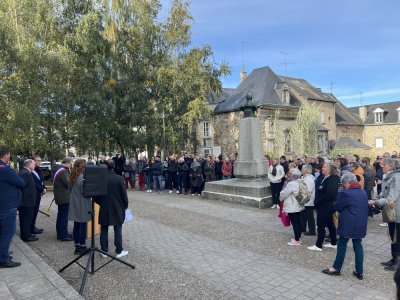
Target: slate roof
264	84
349	143
306	89
226	93
344	116
261	83
389	116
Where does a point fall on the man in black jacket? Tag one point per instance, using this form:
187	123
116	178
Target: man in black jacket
28	201
157	170
61	198
112	210
41	190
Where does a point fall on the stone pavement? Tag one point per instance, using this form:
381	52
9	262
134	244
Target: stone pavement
34	279
188	248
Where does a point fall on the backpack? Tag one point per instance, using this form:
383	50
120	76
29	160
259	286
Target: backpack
304	194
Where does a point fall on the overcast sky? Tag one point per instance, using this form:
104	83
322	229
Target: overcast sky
353	44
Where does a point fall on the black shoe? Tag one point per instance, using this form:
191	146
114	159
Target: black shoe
391	268
328	240
358	275
389	263
67	239
329	272
9	264
309	233
30	239
80	250
37	231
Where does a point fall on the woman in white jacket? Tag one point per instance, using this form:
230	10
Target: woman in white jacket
291	206
308	213
275	176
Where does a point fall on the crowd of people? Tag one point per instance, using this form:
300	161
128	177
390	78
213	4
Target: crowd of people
342	192
186	174
21	192
313	194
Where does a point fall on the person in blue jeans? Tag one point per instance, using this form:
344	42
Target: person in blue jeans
352	204
157	170
10	184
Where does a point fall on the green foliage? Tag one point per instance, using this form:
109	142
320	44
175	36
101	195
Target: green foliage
100	76
279	142
304	131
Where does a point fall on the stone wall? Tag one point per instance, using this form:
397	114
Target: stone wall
390	134
353	131
226	131
226	128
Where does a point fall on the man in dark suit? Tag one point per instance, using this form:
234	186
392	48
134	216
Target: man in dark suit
10	185
41	190
112	210
28	202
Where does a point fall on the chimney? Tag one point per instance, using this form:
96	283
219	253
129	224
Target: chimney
362	111
243	75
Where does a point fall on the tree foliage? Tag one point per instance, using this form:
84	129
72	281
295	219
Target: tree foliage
304	131
101	76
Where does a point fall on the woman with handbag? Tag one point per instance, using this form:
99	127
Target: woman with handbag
389	200
290	204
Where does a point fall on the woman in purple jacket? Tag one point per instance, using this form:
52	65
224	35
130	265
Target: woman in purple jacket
352	204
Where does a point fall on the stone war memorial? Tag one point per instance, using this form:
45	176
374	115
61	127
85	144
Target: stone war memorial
251	185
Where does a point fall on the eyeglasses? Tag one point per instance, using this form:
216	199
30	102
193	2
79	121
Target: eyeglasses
38	160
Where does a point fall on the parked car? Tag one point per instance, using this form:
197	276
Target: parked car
45	166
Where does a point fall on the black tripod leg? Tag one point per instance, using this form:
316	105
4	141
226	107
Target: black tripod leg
117	259
72	262
86	272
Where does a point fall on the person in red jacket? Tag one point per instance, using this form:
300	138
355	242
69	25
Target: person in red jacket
227	169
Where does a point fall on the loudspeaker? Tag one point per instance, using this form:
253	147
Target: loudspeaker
95	181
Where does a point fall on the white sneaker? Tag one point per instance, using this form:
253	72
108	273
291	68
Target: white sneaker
314	248
122	254
103	255
193	194
383	224
148	191
329	246
177	192
294	243
170	192
273	206
277	207
160	193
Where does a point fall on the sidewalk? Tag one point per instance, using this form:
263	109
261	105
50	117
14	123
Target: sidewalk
34	279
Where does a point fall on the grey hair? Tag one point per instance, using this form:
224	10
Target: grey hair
348	177
294	171
27	162
392	162
307	169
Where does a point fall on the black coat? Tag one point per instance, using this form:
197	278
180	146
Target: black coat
326	192
112	206
29	193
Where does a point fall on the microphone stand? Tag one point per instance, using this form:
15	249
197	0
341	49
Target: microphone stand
90	265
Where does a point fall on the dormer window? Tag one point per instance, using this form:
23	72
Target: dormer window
378	113
285	96
398	114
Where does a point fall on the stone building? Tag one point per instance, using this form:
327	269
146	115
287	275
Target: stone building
271	92
381	129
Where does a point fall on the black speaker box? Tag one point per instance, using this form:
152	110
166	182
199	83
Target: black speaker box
95	181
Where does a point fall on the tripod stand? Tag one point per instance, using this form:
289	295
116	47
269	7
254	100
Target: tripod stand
90	268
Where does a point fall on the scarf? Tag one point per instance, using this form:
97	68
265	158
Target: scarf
274	171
